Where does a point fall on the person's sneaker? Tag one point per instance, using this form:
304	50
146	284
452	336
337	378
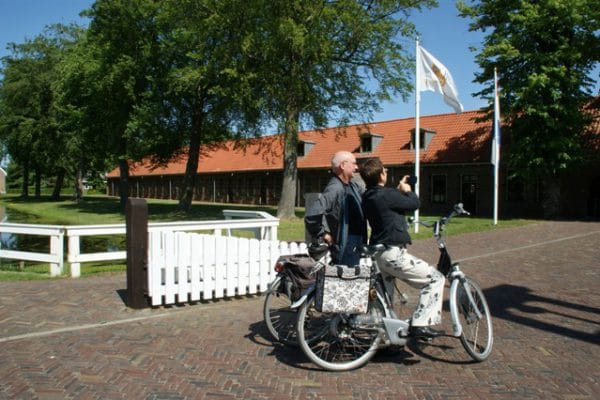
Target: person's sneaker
425	331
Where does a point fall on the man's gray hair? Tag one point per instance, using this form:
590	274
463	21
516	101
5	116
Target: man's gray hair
340	157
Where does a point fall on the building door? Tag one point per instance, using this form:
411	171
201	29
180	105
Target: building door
469	193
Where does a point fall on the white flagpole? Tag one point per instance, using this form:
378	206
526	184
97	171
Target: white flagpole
417	130
496	145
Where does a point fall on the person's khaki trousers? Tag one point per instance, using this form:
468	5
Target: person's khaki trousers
396	261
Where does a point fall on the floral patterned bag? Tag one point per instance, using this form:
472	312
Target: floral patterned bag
343	289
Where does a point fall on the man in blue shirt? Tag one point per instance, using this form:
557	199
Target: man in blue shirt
336	217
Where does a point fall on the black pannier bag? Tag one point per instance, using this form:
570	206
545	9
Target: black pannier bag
298	267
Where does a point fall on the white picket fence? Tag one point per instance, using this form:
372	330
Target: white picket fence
185	267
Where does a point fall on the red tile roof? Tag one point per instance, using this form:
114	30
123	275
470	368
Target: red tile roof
458	139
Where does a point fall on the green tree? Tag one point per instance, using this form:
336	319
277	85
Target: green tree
544	51
27	127
202	86
163	70
77	110
315	59
123	42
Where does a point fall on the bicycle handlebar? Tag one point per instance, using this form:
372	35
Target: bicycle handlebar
438	225
458	209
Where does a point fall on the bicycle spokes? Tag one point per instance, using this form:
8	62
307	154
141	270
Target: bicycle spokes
475	319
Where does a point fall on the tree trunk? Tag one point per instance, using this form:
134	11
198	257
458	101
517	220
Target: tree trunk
60	178
38	183
287	201
123	183
78	194
25	184
191	167
551	198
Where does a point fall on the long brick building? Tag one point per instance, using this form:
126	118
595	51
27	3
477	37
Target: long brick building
454	156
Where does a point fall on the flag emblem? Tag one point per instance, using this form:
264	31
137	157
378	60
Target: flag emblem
438	73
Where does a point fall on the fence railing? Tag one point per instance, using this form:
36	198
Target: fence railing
56	235
262	224
74	255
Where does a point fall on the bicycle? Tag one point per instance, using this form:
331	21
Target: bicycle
340	342
292	278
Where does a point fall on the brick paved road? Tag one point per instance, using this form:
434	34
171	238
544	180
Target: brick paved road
75	339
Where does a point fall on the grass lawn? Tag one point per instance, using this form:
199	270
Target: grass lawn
106	210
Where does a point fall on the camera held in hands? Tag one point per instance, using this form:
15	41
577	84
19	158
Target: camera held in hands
412	181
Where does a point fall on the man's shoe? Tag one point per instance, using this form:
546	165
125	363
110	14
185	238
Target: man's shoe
425	331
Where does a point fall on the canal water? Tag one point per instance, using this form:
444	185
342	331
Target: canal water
42	243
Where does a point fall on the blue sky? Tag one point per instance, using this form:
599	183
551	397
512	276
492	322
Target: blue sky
443	34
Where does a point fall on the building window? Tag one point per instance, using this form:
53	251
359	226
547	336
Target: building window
368	142
303	148
438	189
424	138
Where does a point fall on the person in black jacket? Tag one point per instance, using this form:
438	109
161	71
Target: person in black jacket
336	217
385	209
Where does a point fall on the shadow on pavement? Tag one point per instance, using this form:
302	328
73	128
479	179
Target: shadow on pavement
521	305
294	356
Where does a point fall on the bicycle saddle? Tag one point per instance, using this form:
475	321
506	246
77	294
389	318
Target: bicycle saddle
369	250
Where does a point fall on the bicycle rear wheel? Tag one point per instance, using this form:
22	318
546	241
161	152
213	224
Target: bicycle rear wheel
338	342
279	317
474	316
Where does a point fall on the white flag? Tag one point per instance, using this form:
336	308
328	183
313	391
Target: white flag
433	76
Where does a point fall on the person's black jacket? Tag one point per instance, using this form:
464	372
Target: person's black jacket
327	212
385	208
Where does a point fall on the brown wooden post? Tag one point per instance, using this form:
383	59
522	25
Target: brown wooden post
136	216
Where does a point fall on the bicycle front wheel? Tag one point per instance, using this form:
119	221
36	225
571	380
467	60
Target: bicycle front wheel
473	315
338	342
279	317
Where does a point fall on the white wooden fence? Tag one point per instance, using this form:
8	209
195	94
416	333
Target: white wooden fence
182	265
262	224
56	234
186	267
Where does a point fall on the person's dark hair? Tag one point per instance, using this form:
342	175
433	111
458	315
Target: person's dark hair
371	170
